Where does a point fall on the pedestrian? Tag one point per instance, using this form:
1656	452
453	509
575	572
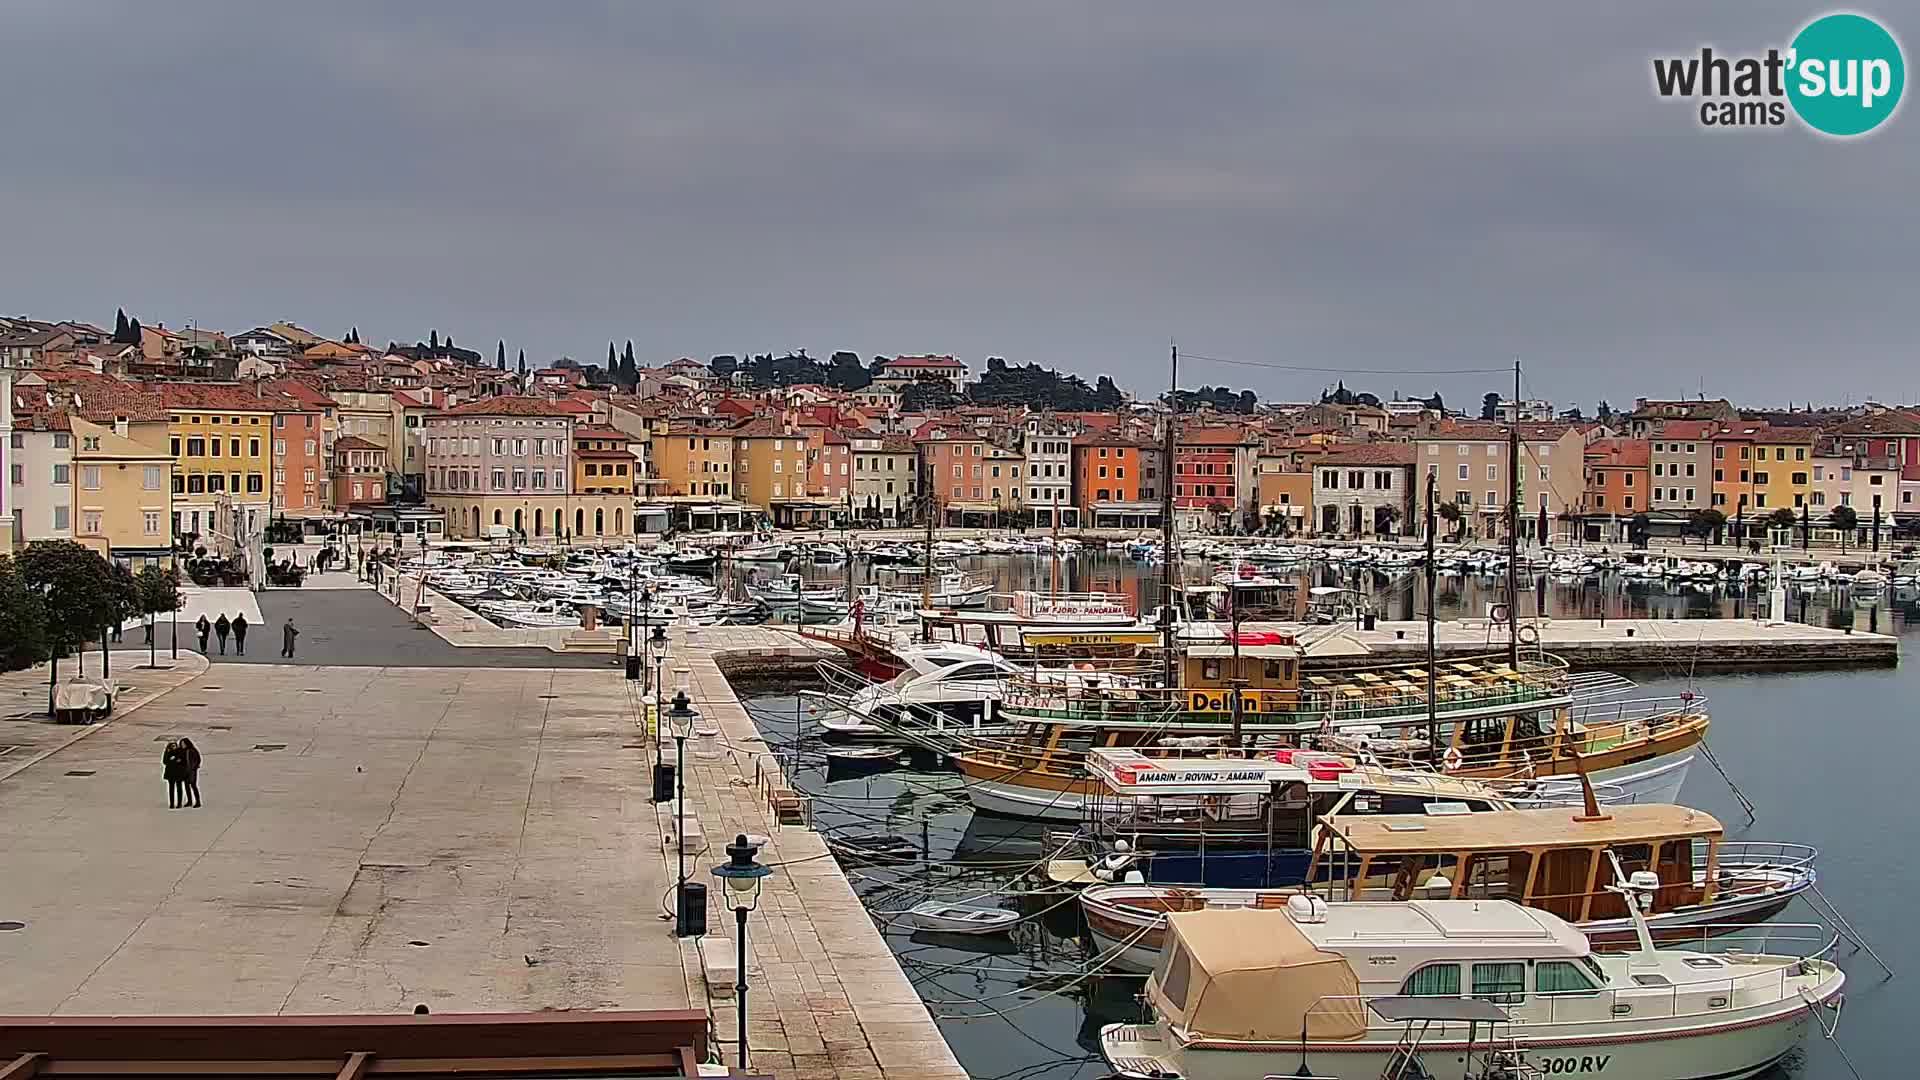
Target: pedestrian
173	766
240	633
204	627
221	628
117	627
191	754
287	634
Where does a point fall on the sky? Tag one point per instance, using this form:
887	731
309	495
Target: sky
1364	187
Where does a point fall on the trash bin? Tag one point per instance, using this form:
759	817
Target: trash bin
691	912
662	782
1370	621
633	667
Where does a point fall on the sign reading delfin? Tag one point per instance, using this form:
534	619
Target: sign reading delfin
1251	701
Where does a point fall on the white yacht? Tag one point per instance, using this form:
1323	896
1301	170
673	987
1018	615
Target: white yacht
944	685
1358	991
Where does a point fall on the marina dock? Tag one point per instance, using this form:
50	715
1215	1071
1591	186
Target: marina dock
1677	645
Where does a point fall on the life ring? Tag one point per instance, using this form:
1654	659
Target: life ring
1452	759
1529	635
1497	613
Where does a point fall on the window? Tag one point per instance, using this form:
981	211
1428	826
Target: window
1434	980
253	447
196	484
1629	479
1779	453
90	522
1546	475
1461	449
1331	478
1561	977
1874	480
1719	453
1801	478
1759	478
1629	502
1463	472
1656	469
1492	499
153	522
216	482
61	440
1433	449
1759	500
60	474
234	448
1502	984
60	514
90	478
1493	472
1846	498
1799	453
1689	494
1689	468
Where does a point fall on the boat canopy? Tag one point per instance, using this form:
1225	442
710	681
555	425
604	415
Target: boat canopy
1240	974
1553	827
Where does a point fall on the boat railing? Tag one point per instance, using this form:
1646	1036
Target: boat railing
1617	1005
1758	857
1652	711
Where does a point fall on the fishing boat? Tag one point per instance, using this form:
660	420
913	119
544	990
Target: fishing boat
1491	719
938	588
941	916
1551	859
1367	990
789	589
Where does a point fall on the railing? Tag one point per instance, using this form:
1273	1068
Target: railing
1626	1006
1309	708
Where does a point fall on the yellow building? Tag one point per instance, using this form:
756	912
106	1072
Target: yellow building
695	461
769	465
123	493
1758	469
221	436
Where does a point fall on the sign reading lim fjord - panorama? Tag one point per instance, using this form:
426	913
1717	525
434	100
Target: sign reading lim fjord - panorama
1842	75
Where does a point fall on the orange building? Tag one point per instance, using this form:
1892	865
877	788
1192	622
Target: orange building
1619	484
1108	471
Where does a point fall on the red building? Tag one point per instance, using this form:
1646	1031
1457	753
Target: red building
359	473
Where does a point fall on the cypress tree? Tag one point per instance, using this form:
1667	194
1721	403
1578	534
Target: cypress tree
120	324
433	340
133	331
523	363
613	365
500	355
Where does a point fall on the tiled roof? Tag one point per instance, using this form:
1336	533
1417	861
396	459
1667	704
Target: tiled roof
355	442
1891	422
598	431
1109	437
103	397
513	405
1215	436
923	361
1686	429
1619	453
228	396
1370	454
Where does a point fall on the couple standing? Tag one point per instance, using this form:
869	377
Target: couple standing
180	764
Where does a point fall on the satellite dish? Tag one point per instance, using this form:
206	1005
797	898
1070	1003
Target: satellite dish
76	403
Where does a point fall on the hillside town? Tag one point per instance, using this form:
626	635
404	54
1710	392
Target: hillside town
139	439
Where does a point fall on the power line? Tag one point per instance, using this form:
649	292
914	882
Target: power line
1345	370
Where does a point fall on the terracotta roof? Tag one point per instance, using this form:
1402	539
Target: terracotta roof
355	442
218	396
1619	453
1215	436
923	361
598	431
302	393
104	398
1370	454
513	405
1891	422
760	427
1756	432
1110	437
1484	430
1686	429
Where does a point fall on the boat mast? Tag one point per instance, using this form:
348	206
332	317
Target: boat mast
1056	542
1167	558
1513	526
926	576
1433	586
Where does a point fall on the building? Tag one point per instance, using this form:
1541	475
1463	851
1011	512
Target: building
1208	485
903	371
503	462
40	472
220	436
1109	475
122	492
829	465
1049	449
695	460
1619	486
1680	456
885	468
1365	491
1758	469
1525	411
359	473
1650	414
1856	472
7	527
1469	459
1893	434
770	471
301	458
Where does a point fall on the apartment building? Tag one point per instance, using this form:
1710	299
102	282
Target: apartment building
1758	469
1048	443
1619	486
221	439
1365	491
885	471
504	461
1110	477
1470	458
1680	457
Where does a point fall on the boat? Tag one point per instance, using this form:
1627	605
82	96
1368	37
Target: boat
937	588
939	915
1542	858
1494	720
942	684
772	552
691	561
1367	990
844	762
789	589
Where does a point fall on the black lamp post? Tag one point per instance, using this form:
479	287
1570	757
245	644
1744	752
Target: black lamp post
741	874
657	644
682	723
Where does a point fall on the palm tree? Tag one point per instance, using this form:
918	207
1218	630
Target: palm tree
1846	520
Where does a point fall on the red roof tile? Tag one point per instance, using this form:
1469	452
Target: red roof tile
514	405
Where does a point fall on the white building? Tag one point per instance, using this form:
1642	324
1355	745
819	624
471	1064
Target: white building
1049	447
40	476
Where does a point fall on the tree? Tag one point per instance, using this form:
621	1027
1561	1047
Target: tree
1106	396
1490	407
1781	519
1603	412
120	325
353	336
133	332
1639	528
500	355
1705	524
613	359
523	363
23	619
1436	403
433	340
158	589
1450	513
1846	520
928	394
80	595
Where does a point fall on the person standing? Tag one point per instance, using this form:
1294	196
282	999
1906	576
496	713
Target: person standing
287	634
173	767
190	755
204	627
221	628
240	633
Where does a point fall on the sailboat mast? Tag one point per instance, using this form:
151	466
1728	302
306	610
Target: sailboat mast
1513	526
1433	587
1167	556
1056	541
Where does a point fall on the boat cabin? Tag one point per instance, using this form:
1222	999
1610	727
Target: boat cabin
1552	859
1265	666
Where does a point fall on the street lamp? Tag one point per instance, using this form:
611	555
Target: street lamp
657	645
741	874
680	719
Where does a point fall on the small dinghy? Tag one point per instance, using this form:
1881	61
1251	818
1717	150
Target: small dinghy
949	918
853	761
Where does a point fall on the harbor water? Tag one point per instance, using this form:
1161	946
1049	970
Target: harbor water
1826	758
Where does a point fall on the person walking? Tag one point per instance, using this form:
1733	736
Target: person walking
221	628
191	755
204	627
173	767
240	633
287	633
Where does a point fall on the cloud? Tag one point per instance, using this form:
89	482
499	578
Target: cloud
1074	184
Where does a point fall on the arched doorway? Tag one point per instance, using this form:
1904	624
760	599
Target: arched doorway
518	524
496	517
616	521
540	522
476	521
600	522
579	522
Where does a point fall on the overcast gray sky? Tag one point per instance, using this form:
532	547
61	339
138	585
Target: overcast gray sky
1365	185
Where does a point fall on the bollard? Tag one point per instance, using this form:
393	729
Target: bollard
1629	631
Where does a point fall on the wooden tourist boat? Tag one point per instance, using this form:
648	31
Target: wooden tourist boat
1551	859
1493	721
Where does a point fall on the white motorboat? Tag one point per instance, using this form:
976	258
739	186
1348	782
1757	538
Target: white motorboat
947	918
1359	991
944	685
791	589
766	553
945	589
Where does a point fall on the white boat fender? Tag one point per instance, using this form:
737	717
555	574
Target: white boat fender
1115	865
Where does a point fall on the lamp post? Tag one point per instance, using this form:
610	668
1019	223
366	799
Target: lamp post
741	874
657	644
682	723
